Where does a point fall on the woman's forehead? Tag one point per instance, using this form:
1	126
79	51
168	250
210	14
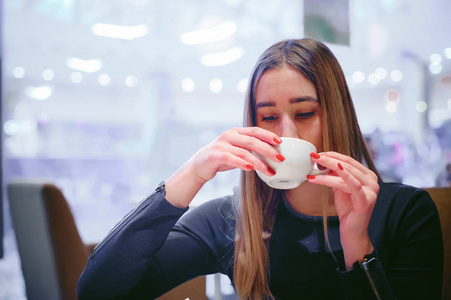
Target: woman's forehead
283	82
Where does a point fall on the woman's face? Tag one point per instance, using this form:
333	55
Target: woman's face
286	104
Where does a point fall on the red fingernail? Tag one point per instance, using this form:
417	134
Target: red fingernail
280	157
277	140
340	166
311	176
271	171
314	155
249	167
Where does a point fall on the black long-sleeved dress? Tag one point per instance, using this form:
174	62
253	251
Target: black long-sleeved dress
154	249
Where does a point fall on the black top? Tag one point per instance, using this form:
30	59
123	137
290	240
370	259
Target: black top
153	250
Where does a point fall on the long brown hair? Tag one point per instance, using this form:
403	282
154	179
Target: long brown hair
341	133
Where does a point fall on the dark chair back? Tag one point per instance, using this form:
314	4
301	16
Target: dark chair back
442	199
51	250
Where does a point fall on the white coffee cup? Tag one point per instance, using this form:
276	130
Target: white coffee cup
294	169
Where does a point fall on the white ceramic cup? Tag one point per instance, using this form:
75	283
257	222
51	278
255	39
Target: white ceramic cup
294	169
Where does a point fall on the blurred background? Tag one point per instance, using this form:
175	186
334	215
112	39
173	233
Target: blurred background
106	98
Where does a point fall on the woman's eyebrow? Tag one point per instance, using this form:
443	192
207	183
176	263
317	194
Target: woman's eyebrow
264	104
292	101
303	99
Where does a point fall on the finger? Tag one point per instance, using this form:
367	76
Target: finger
351	161
254	160
251	143
360	198
229	161
332	164
350	180
334	182
260	133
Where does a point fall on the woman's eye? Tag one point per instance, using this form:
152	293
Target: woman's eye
305	115
269	119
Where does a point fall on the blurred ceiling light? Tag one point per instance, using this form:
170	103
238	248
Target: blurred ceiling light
39	93
48	74
76	77
373	79
222	58
381	73
358	76
131	81
391	107
104	79
216	85
119	32
421	106
15	127
188	85
392	95
84	65
435	59
435	68
396	75
448	53
209	35
19	72
242	85
11	127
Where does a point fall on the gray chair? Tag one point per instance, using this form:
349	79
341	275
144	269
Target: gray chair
51	251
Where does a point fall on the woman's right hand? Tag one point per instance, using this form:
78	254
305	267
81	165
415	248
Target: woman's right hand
232	149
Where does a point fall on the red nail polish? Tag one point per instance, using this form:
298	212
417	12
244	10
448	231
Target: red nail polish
277	140
340	166
271	171
314	155
311	176
249	167
280	157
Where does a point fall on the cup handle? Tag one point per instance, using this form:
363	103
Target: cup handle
317	171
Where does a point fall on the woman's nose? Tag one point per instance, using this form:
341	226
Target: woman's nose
288	127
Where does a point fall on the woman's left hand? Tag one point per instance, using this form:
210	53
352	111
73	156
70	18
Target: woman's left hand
355	190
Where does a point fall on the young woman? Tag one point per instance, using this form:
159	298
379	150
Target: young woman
341	235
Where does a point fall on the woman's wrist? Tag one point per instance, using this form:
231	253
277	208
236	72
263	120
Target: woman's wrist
355	251
183	185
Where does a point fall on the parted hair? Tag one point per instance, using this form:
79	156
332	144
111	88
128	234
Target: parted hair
255	207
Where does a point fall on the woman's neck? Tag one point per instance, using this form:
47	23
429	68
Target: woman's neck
308	198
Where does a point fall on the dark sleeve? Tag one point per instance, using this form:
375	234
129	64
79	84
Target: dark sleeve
417	268
366	280
413	269
145	255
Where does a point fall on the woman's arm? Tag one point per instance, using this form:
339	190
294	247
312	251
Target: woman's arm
409	264
410	236
232	149
355	190
121	260
146	255
126	257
